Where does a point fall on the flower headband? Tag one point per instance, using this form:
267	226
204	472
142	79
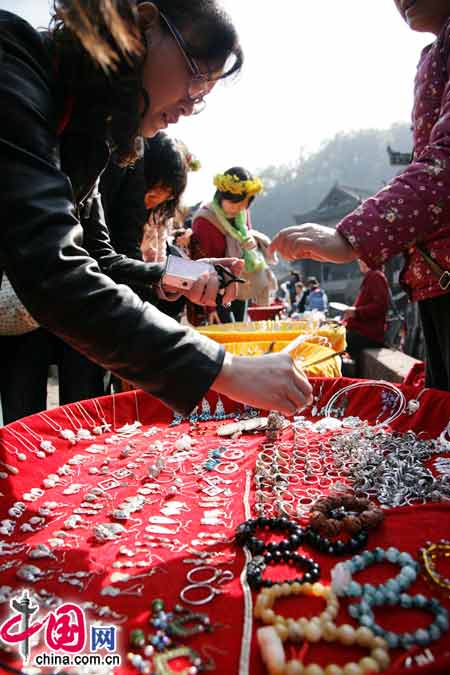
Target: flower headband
234	185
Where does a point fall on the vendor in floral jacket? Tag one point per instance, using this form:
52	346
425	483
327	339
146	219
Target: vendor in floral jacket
411	215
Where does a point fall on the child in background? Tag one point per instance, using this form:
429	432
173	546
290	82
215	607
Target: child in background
166	166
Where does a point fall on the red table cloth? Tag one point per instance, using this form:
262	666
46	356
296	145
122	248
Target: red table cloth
164	574
265	313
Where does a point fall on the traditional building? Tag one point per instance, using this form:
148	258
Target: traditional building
339	281
399	158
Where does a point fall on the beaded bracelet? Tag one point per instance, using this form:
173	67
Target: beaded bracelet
278	629
272	653
300	629
338	547
257	566
245	532
364	614
343	584
331	515
429	554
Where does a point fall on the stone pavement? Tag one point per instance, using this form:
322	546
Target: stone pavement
52	393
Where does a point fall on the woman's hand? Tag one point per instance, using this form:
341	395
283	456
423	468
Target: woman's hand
249	244
313	241
204	290
270	382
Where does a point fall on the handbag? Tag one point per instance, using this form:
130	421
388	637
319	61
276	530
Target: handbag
442	274
15	319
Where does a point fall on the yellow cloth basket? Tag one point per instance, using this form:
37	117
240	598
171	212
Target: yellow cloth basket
277	331
302	355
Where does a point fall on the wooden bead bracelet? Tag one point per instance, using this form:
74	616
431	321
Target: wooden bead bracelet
331	515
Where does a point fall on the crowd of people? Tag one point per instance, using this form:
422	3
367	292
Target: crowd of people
92	189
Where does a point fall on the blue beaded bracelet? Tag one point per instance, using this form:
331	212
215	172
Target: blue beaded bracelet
422	637
343	584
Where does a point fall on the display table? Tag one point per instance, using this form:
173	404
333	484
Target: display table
182	517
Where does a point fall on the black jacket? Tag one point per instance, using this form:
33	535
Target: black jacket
123	194
46	185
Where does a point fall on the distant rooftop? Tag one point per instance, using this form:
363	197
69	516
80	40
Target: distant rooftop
399	158
340	200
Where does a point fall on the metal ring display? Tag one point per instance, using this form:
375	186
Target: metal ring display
313	493
215	574
227	467
311	480
293	477
285	497
305	501
233	453
287	509
163	482
212	592
268	446
264	495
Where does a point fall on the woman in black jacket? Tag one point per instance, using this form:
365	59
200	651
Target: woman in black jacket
107	74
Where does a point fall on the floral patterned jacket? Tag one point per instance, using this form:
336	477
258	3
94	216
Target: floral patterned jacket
415	206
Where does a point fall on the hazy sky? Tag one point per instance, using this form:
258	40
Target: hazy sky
313	68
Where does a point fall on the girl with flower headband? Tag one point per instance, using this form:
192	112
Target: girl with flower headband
224	226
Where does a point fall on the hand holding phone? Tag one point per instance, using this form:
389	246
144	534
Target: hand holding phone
204	282
182	273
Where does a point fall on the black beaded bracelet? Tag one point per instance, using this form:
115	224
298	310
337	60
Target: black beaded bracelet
257	567
245	535
338	547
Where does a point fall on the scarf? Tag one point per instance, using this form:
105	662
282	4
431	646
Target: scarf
253	258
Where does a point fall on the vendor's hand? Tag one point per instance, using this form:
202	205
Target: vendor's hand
269	382
214	319
317	242
349	313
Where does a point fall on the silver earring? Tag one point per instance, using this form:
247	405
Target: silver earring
114	592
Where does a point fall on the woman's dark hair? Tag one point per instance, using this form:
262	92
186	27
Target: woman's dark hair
207	30
242	174
165	166
100	55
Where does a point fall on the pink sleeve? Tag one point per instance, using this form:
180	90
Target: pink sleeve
209	242
413	206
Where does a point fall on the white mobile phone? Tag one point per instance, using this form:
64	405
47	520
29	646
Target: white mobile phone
182	273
